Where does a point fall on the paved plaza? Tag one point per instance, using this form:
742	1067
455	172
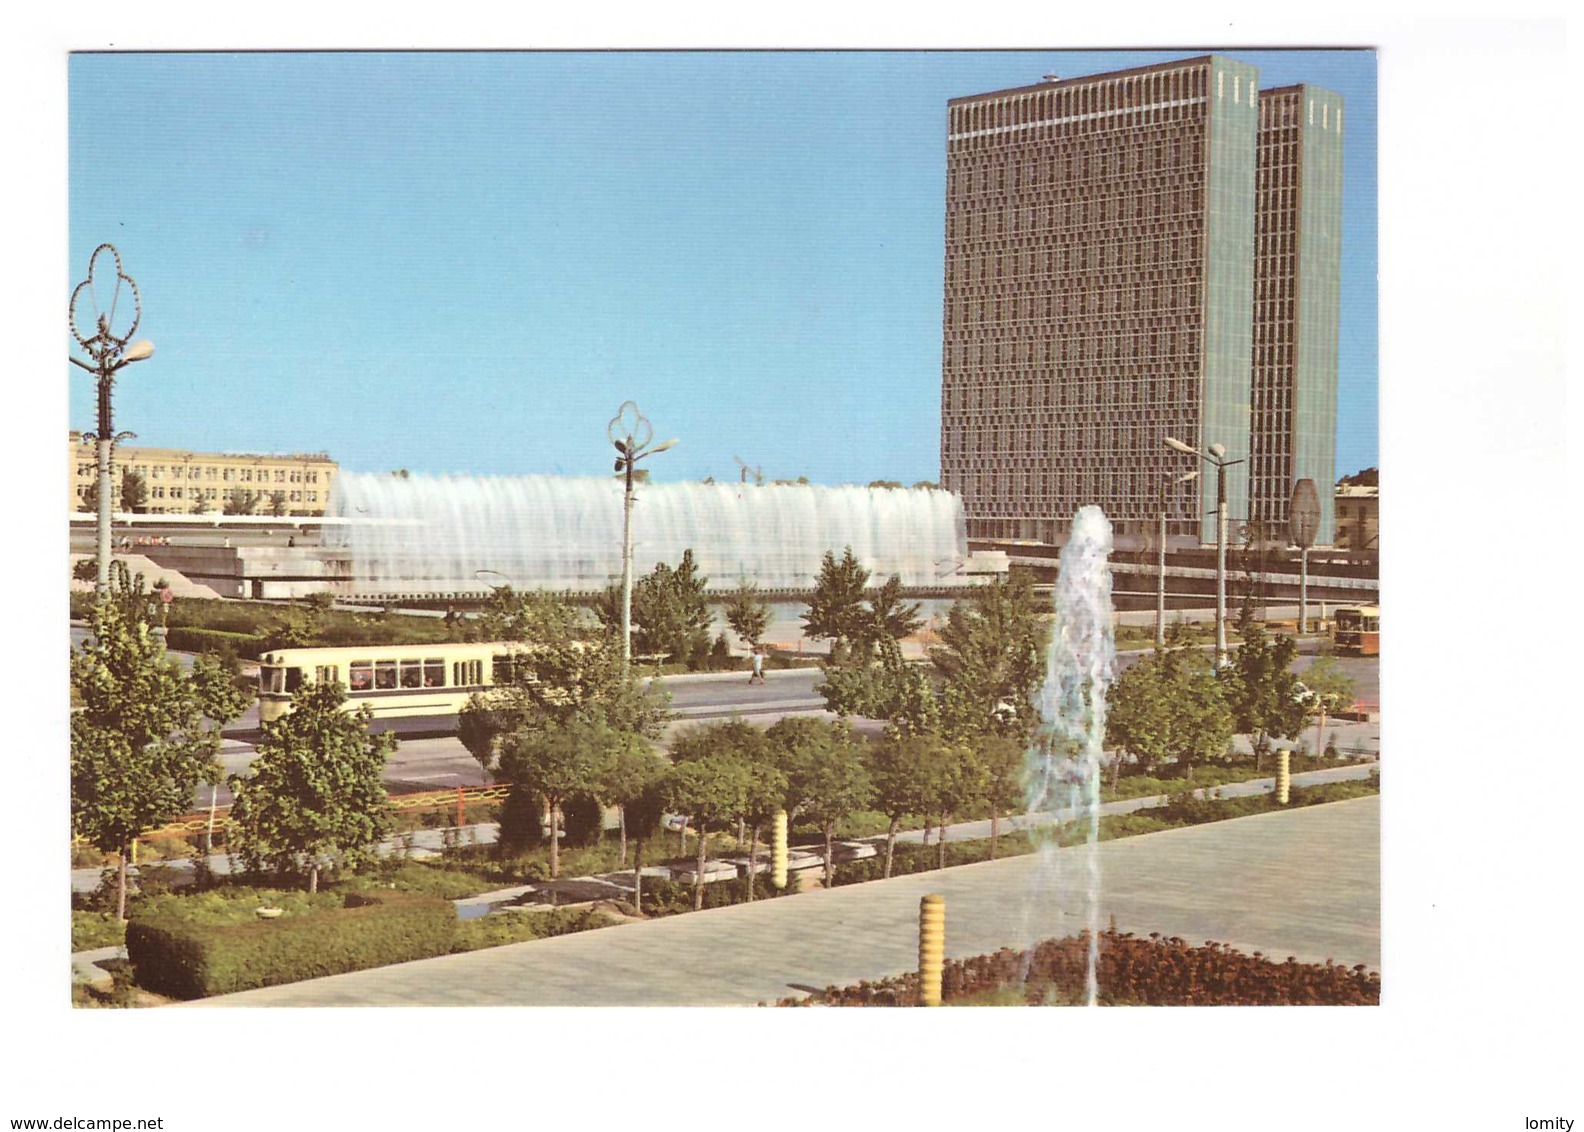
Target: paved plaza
1304	883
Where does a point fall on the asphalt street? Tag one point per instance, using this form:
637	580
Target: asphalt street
430	757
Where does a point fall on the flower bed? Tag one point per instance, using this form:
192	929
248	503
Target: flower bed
1132	971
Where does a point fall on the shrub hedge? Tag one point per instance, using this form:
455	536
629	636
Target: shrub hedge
191	953
190	639
495	931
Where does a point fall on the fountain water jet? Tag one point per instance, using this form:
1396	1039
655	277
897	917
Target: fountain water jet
1063	768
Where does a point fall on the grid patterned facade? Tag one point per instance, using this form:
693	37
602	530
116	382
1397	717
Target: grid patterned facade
1297	297
1100	295
179	481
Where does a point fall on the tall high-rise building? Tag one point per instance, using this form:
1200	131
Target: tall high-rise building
1297	300
1099	296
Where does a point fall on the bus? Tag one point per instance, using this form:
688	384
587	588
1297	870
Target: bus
393	680
1357	631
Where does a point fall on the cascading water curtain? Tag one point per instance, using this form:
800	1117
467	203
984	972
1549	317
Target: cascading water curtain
1063	767
467	533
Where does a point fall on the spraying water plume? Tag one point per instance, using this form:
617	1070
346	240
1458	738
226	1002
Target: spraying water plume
1063	769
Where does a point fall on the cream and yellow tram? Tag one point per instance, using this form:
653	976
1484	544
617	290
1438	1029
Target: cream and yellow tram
393	680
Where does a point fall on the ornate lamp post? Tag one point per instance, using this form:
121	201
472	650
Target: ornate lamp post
631	433
1215	454
109	354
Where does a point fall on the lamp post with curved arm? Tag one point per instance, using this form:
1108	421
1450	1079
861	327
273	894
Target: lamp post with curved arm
631	433
108	354
1215	454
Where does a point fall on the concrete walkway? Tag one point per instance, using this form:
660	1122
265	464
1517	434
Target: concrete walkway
1303	882
428	842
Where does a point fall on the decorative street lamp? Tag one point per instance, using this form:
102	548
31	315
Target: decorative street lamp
109	353
1166	480
1215	454
1304	524
631	433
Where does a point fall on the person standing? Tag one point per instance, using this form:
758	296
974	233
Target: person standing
758	665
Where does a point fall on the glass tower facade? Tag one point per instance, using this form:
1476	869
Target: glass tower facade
1298	273
1100	294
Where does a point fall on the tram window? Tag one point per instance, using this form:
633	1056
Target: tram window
467	673
293	679
362	678
271	679
412	674
327	673
501	670
434	674
384	674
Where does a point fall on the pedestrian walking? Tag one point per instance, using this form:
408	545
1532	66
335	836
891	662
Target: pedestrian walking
758	665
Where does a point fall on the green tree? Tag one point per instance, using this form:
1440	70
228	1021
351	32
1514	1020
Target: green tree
563	670
641	796
747	613
277	504
240	501
829	780
134	491
1000	762
907	772
200	502
553	761
1326	689
1169	708
890	614
1261	689
625	776
711	791
670	612
883	686
139	743
958	783
316	788
992	658
836	609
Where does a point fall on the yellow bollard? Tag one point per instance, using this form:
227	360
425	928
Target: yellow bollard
932	948
134	850
1283	776
778	852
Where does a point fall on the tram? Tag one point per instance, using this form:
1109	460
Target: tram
1357	631
393	680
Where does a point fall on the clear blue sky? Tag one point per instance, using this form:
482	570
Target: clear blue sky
465	262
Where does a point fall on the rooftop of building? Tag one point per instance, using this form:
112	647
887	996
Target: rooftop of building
1079	80
129	450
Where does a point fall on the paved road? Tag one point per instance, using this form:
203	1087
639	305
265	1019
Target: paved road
1304	883
429	758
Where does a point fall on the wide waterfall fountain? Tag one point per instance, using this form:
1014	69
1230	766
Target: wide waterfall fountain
1063	770
458	534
